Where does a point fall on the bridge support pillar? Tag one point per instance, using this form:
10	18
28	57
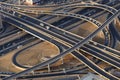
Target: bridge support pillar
64	70
62	60
115	21
79	77
48	68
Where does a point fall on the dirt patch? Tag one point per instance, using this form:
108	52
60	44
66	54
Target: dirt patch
87	28
6	64
37	54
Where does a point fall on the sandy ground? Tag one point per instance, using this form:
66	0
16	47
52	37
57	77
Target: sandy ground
85	29
37	54
6	62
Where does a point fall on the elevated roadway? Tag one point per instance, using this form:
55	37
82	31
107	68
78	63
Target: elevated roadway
25	41
86	18
11	37
83	4
59	30
92	4
51	28
112	36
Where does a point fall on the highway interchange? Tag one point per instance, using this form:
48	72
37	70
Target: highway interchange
69	41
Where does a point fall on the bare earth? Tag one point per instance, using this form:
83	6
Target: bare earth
37	53
45	47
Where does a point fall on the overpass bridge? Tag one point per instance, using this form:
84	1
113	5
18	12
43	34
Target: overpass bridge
71	46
